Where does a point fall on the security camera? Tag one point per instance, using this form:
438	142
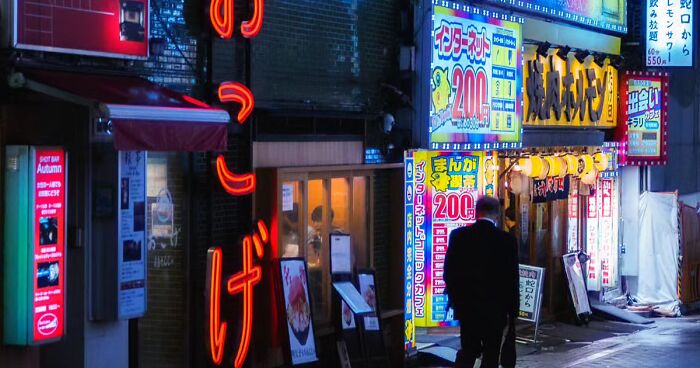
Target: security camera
388	123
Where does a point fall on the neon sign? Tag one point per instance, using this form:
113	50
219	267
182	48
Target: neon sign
234	184
221	15
243	282
236	92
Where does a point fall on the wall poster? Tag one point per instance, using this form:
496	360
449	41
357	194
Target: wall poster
669	33
644	117
131	237
441	192
300	326
475	79
118	28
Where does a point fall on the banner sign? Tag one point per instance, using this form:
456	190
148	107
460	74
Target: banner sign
568	93
609	15
550	189
475	79
577	287
592	231
669	33
117	28
608	232
644	117
34	275
131	268
409	266
444	187
573	216
531	282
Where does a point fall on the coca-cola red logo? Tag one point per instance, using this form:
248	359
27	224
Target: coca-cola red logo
47	324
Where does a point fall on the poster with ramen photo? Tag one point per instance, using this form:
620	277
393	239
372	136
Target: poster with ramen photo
298	311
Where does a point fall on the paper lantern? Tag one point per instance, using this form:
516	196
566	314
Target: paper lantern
585	164
556	165
571	164
601	161
544	169
564	166
590	178
516	182
525	166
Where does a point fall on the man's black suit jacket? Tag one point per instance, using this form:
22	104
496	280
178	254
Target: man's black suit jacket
481	271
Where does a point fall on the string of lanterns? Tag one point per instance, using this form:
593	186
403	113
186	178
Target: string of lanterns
584	166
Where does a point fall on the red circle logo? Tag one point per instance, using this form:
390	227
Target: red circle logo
47	324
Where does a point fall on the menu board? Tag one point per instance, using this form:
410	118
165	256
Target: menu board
577	286
300	325
442	188
49	243
669	33
475	79
131	245
531	279
369	293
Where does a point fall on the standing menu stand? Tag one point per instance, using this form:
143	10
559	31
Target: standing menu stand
531	280
373	336
349	305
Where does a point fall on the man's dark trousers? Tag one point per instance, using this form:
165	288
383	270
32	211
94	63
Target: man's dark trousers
480	335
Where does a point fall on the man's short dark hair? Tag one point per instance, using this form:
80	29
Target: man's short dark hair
317	214
488	206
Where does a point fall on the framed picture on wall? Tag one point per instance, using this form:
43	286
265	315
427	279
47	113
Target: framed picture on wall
297	307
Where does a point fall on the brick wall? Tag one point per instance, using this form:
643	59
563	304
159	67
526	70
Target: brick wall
325	54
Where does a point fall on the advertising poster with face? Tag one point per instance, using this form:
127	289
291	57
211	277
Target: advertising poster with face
132	235
298	311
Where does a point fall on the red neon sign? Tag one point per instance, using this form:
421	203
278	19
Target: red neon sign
250	29
236	92
242	283
234	184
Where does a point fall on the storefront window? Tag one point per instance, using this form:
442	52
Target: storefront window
333	204
292	226
162	331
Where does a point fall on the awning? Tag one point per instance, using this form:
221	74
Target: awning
144	115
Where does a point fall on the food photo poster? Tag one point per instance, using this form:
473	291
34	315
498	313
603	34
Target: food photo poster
368	291
302	344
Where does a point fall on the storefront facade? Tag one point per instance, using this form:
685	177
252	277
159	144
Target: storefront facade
557	178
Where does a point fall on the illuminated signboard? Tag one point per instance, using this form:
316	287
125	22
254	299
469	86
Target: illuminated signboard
644	117
35	215
441	192
118	28
567	93
606	14
669	33
475	79
601	233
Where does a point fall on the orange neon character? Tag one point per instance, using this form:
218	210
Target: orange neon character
221	15
250	29
242	283
234	184
236	92
217	330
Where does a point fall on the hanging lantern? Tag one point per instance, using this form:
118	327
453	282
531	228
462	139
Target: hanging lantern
571	164
601	161
525	165
590	178
585	164
516	182
564	166
544	171
556	165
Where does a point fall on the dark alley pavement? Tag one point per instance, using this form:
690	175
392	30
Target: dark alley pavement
668	342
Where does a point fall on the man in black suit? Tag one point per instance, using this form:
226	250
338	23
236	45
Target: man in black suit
481	275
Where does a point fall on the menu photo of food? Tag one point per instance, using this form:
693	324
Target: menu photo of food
347	316
298	311
369	294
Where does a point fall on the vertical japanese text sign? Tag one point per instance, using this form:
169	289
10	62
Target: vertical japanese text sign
34	263
669	33
475	78
644	118
243	282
